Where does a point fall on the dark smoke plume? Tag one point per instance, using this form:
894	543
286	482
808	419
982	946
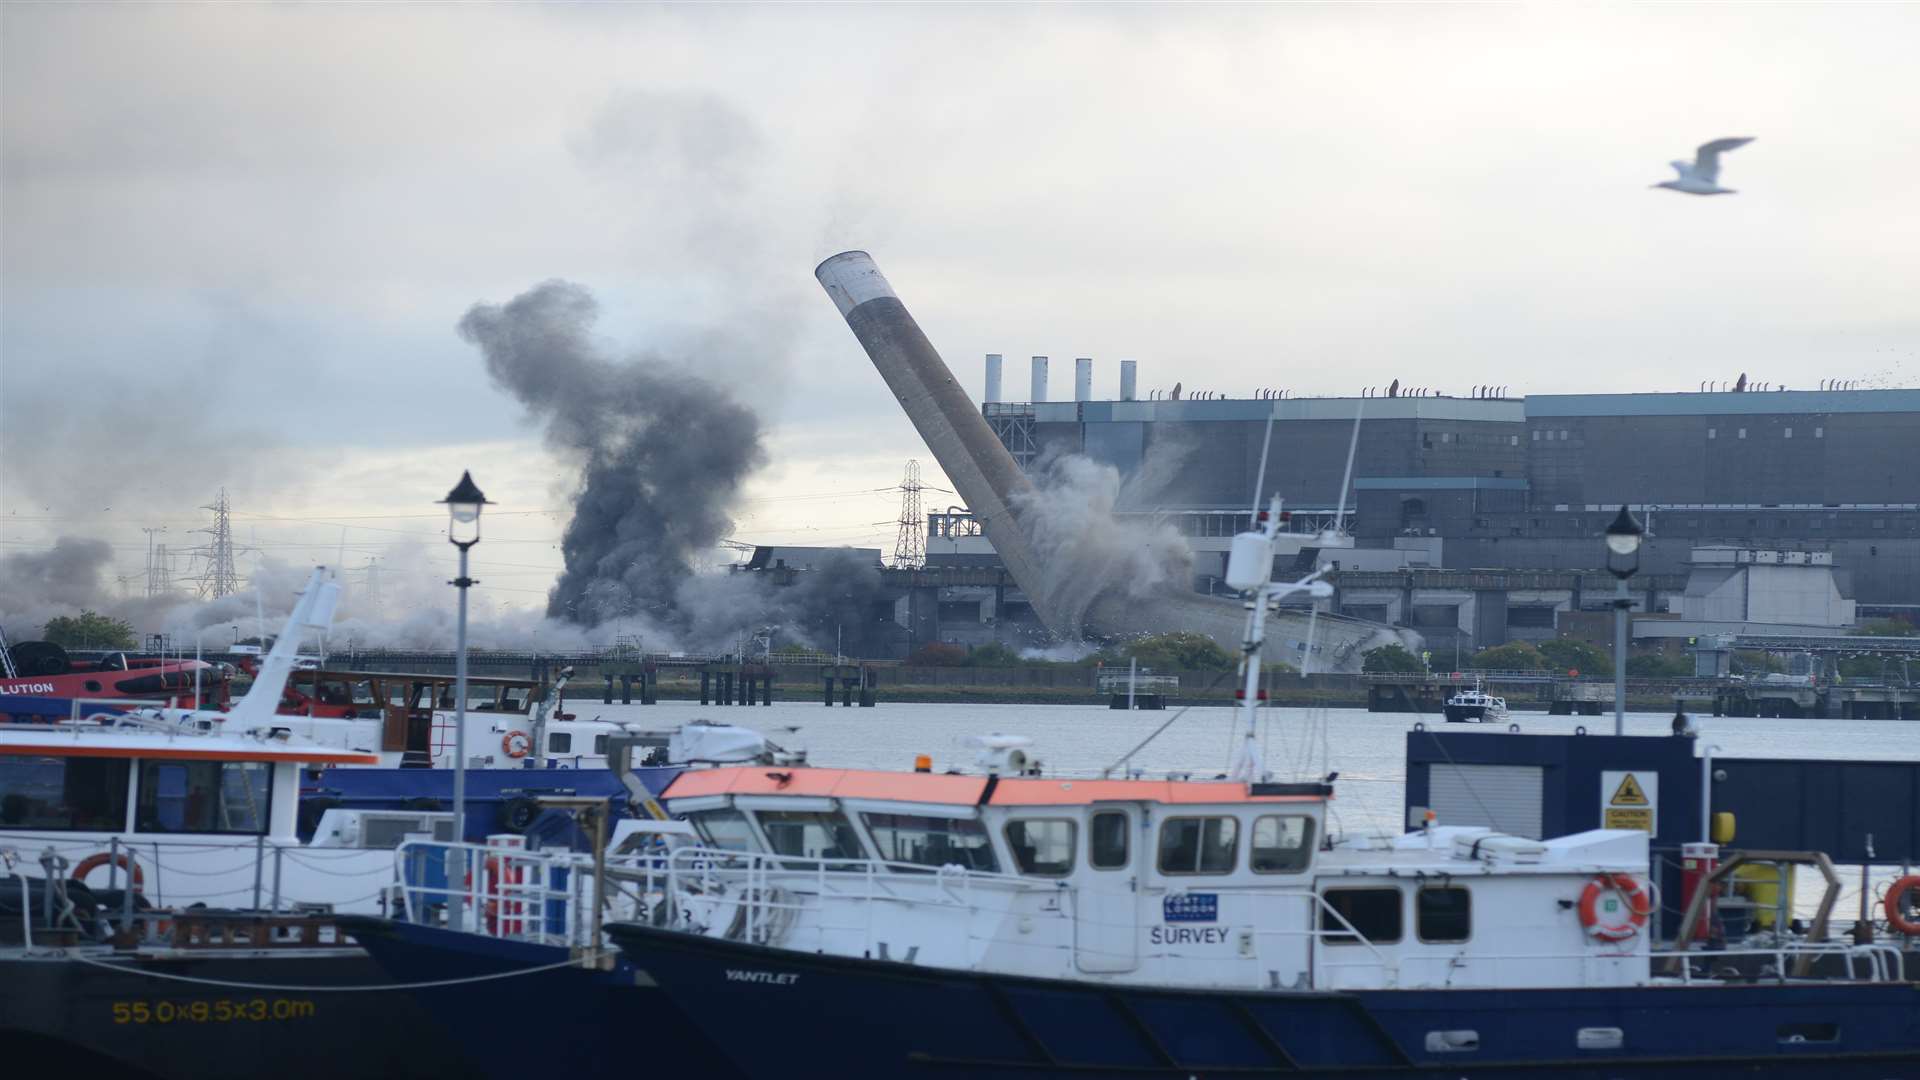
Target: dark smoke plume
661	453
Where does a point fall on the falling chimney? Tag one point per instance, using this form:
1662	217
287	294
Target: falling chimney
1129	382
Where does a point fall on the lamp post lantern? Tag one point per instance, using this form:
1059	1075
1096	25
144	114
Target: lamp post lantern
464	504
1623	561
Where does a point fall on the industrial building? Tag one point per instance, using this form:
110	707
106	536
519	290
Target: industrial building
1501	489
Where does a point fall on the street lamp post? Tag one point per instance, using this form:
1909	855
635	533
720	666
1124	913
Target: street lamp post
464	504
1623	561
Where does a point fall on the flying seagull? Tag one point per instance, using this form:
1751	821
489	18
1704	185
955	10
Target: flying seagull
1701	176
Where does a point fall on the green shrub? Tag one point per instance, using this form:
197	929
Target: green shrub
1568	654
1390	658
1513	656
90	630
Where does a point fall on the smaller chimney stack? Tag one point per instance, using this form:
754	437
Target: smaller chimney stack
1129	382
993	377
1039	380
1083	379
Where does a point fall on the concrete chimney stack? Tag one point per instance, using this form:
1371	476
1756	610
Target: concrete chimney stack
1129	383
1039	392
1083	379
993	377
1068	594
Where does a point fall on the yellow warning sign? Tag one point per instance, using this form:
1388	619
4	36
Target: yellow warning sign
1628	793
1627	818
1630	800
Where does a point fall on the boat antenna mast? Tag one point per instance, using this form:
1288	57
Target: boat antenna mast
1250	573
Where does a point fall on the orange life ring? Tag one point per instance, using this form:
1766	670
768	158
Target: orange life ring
100	858
1897	916
517	744
1607	927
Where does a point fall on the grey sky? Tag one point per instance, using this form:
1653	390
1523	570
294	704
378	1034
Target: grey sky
237	238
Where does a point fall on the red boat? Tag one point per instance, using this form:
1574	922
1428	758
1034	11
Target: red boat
45	670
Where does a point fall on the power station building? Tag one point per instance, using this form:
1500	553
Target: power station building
1491	482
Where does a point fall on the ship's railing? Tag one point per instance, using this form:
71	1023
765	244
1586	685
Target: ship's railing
835	904
1879	962
765	894
151	887
549	897
1861	963
761	895
544	897
841	906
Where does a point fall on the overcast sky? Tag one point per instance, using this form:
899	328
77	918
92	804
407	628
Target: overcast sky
237	238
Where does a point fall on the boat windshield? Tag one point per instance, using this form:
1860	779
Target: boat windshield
812	835
932	841
722	828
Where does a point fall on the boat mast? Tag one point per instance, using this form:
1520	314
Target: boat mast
1250	573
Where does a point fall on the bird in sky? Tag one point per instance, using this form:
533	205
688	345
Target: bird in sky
1701	176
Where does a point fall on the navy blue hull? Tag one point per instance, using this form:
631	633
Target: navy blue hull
875	1018
117	1021
566	1022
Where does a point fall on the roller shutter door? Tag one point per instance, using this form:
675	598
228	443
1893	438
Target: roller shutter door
1505	798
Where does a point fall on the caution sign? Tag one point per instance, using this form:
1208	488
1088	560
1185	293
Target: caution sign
1630	800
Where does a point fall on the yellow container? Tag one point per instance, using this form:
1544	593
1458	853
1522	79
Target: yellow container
1760	883
1723	827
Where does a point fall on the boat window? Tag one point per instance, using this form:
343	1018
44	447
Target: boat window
333	692
1443	914
1282	843
203	796
1375	913
811	834
514	698
57	793
932	841
1107	840
1199	845
363	693
600	745
560	742
1043	847
724	829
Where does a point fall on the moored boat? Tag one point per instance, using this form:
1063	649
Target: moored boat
1014	922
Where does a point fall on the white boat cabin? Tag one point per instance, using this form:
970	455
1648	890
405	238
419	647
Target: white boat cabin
195	817
1170	882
